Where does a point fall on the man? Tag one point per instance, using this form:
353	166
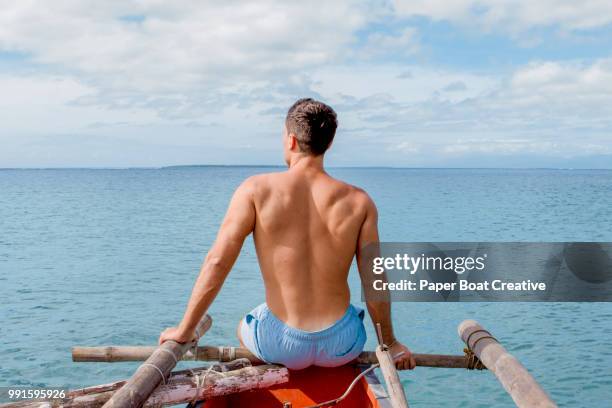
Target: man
307	227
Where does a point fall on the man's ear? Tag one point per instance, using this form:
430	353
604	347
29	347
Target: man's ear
293	144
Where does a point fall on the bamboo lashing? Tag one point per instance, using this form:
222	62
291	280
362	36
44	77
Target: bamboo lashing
154	371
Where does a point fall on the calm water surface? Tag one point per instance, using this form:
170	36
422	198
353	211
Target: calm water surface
97	257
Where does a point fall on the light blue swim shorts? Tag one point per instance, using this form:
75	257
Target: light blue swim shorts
272	341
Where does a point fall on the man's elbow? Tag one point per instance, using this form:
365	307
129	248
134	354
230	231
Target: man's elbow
216	263
378	304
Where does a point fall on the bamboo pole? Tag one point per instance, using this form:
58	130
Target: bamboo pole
182	387
386	362
394	385
516	380
154	371
110	354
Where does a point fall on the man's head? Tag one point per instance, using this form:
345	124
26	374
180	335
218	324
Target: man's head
310	127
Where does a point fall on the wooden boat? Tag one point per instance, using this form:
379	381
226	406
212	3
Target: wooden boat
310	387
235	382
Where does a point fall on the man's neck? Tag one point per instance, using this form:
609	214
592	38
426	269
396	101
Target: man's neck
304	162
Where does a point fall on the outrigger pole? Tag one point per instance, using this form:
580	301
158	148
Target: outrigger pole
154	370
516	380
112	354
387	366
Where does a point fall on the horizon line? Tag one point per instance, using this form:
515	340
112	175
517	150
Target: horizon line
178	166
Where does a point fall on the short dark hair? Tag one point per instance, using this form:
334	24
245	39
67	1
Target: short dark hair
314	125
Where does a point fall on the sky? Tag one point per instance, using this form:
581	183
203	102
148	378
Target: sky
415	83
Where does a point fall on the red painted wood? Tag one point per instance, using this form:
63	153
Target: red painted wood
305	387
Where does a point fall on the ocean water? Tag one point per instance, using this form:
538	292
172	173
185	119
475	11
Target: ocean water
100	257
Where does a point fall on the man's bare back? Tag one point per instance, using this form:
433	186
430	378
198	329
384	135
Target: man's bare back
307	228
306	231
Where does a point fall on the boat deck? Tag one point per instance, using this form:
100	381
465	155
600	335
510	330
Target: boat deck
309	387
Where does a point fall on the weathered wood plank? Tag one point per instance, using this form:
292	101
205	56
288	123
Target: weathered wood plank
182	387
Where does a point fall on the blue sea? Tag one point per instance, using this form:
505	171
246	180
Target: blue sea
101	257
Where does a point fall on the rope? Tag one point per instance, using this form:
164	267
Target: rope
227	353
350	387
473	362
348	390
163	377
200	380
489	335
483	337
168	352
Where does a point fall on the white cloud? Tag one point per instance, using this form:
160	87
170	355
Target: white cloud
513	15
44	104
364	80
405	43
455	86
181	54
547	108
157	77
594	80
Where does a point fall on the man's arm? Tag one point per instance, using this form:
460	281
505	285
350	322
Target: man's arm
238	224
379	310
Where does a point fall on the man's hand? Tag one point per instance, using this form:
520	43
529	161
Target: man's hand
176	334
404	359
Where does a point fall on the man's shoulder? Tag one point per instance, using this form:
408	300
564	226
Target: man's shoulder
356	191
262	179
357	194
259	182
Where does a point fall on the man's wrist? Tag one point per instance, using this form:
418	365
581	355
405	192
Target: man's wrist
391	340
185	329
